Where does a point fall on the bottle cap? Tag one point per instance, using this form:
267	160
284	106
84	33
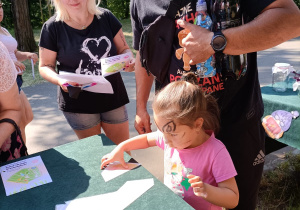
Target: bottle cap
201	5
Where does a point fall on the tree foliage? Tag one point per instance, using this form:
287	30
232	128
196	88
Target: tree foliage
7	21
120	8
42	10
297	3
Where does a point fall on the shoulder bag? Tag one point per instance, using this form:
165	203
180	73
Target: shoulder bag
14	146
156	43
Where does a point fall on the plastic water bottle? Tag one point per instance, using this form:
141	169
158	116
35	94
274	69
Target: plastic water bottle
203	18
207	68
280	74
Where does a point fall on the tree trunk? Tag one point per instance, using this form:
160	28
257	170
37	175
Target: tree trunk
23	28
49	9
41	9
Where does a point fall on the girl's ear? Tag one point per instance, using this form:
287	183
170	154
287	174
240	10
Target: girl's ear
199	123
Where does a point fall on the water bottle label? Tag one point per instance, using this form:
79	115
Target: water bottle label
207	68
226	15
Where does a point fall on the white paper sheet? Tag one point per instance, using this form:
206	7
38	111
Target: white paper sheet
32	68
24	174
118	200
132	190
115	169
114	64
102	86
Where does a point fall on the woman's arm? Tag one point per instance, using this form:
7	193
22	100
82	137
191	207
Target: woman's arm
10	107
47	68
225	195
139	142
120	42
22	56
122	47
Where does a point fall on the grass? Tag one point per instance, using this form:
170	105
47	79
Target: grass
280	188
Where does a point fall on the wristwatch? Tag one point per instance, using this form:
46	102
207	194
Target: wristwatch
218	42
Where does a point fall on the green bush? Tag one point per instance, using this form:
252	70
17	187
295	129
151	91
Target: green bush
7	21
120	8
297	2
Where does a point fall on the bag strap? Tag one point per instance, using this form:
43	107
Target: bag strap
17	129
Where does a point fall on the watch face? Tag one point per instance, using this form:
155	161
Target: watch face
219	43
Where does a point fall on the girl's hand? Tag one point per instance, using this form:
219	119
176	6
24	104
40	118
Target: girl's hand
33	56
197	185
131	65
20	67
115	155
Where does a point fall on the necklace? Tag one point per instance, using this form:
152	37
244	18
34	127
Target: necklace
81	26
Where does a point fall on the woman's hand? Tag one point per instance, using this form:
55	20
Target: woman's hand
130	66
20	67
33	56
64	84
116	155
197	185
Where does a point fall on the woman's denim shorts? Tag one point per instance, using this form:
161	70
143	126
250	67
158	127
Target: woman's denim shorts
19	82
80	121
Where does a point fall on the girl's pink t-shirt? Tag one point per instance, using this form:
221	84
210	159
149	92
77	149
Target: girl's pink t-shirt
210	161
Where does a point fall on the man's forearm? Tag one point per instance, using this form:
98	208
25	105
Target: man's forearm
279	22
143	84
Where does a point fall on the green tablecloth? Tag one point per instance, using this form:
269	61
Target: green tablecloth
75	171
288	101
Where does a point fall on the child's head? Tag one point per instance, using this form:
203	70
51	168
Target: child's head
184	102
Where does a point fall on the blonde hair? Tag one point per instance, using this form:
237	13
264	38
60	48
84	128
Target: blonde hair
62	13
185	102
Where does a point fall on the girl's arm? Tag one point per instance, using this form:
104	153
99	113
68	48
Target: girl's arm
225	195
139	142
122	47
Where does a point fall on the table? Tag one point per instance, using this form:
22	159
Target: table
75	171
288	101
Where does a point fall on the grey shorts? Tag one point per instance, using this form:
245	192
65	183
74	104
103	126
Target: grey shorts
80	121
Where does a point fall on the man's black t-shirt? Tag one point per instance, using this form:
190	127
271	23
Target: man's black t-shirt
239	95
80	51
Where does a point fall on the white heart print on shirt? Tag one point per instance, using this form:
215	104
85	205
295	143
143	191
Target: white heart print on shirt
93	67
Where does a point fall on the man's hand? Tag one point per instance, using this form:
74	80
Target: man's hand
142	122
197	43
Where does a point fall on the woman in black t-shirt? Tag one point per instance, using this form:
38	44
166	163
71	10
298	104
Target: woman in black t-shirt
74	40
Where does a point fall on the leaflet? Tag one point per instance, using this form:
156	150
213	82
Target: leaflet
24	174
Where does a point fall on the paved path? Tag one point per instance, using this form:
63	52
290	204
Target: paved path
49	128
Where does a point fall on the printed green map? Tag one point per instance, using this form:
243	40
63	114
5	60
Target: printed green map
25	175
